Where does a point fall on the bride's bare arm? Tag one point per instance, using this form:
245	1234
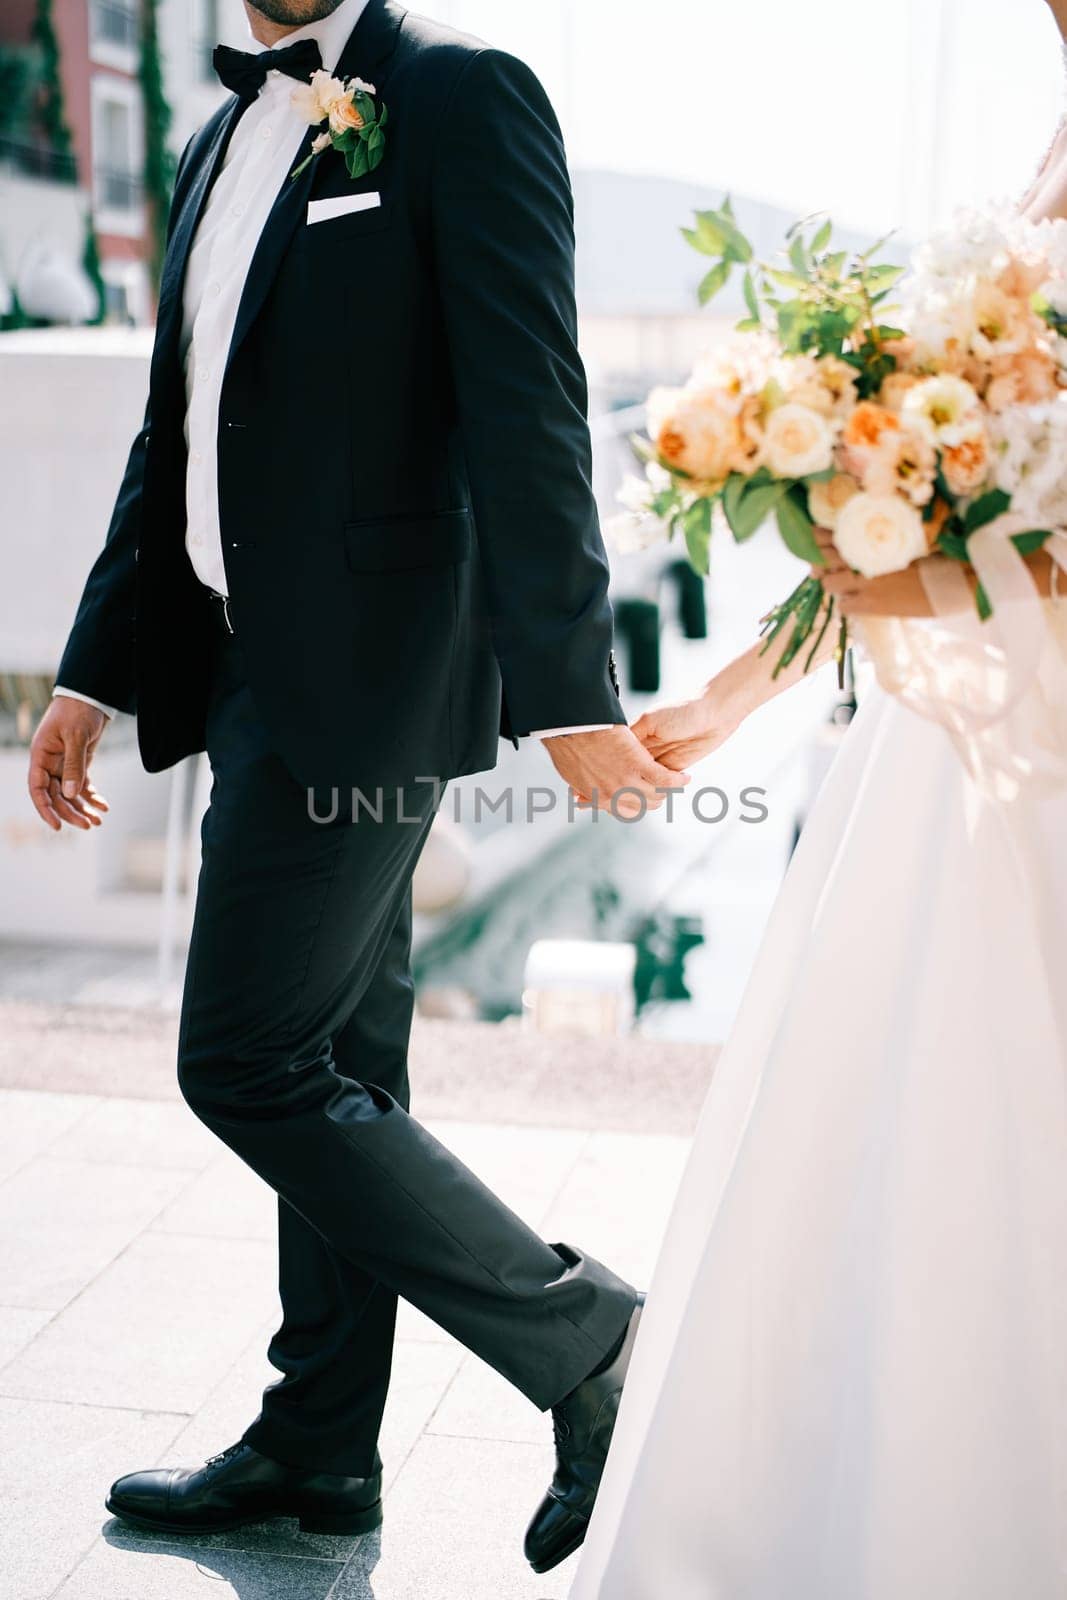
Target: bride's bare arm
903	594
680	735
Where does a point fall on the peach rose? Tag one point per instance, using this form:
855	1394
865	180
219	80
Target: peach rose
697	431
343	116
827	500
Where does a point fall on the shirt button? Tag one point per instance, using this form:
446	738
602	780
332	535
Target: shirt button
196	539
203	373
237	211
196	458
265	133
214	288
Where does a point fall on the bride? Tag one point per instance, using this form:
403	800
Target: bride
851	1378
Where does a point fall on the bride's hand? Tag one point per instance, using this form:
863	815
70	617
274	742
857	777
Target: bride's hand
678	736
899	594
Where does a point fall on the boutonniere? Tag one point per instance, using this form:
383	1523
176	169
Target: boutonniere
356	120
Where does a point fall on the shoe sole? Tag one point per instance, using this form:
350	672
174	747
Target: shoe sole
362	1521
541	1567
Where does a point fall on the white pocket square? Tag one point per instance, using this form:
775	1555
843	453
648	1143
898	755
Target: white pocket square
323	210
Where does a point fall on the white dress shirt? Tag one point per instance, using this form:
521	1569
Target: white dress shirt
261	154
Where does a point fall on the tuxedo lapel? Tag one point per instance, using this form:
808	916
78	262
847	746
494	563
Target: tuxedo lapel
369	46
169	312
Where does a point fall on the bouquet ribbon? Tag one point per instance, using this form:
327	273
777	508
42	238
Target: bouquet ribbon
998	687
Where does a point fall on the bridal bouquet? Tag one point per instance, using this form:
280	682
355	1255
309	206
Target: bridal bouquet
901	432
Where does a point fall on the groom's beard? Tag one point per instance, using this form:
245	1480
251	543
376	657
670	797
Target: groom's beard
294	13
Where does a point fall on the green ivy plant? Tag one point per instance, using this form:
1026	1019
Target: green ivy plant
159	162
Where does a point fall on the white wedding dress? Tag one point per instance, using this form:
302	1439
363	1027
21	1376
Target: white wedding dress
851	1378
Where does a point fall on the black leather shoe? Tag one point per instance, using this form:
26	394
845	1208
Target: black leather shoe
584	1424
241	1486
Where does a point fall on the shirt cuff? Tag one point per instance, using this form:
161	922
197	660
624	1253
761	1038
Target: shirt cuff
559	733
72	694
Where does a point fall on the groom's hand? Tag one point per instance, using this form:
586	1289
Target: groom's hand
613	771
62	749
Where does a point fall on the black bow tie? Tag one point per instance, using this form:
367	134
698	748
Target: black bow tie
246	74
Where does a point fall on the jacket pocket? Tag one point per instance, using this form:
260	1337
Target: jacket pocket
407	543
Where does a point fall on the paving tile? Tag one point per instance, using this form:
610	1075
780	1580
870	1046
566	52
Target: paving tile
526	1167
124	1571
157	1330
480	1404
421	1374
141	1133
227	1201
18	1325
454	1524
30	1122
229	1407
56	1464
617	1202
62	1222
417	1327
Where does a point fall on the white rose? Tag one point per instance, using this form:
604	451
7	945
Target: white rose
798	441
328	89
306	103
879	533
315	100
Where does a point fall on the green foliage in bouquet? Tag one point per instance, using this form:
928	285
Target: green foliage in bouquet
824	303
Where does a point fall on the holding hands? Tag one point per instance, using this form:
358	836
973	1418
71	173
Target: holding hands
612	770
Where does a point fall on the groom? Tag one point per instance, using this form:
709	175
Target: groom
355	531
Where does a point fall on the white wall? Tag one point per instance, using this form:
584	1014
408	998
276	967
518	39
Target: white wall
70	405
183	26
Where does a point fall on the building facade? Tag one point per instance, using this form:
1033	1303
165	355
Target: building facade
47	197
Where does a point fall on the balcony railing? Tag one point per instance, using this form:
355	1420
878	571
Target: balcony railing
38	161
114	23
117	189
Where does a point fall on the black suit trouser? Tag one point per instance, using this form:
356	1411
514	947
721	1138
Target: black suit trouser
293	1051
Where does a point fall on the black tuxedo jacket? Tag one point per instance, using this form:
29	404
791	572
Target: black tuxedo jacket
408	525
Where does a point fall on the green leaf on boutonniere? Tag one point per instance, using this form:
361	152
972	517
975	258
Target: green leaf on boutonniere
362	148
356	161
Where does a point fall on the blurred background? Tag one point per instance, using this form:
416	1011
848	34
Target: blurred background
887	117
574	976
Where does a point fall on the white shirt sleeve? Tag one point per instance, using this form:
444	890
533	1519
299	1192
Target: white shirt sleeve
72	694
559	733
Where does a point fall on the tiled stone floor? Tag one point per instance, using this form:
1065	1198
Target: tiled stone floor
136	1296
